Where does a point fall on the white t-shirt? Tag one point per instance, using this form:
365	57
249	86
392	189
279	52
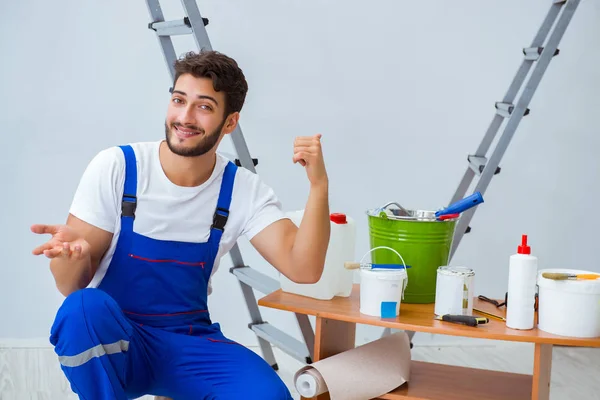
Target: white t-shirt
166	211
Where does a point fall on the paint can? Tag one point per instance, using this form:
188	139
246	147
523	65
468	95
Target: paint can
454	291
382	289
569	307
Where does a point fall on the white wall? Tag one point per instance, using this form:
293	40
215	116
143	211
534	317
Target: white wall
401	90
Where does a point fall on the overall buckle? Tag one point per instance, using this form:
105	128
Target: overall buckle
128	206
220	219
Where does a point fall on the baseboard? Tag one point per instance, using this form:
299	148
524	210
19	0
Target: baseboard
29	343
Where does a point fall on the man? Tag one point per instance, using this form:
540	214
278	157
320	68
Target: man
146	229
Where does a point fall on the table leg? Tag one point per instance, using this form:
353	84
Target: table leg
332	337
542	368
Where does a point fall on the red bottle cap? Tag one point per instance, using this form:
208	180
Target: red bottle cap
338	218
524	248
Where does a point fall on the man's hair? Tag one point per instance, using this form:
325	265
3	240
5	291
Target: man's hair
224	71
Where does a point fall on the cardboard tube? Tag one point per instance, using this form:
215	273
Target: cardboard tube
310	383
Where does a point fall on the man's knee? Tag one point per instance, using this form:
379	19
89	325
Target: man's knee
82	309
89	303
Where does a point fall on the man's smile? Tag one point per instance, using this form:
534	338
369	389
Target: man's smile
184	133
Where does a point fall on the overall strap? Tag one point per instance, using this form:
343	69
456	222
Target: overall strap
129	200
223	203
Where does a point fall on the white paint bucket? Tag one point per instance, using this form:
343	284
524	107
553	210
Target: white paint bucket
382	289
454	291
569	307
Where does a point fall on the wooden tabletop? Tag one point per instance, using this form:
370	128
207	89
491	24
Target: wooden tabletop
417	318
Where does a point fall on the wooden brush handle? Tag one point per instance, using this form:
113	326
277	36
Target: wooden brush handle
588	276
351	265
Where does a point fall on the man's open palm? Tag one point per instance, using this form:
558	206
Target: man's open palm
65	242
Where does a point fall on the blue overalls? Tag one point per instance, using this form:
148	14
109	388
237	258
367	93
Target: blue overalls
146	329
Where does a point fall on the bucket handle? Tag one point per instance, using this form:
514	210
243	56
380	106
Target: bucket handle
398	254
385	206
395	204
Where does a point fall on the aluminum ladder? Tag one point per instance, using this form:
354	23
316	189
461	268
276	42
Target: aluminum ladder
194	24
541	51
511	109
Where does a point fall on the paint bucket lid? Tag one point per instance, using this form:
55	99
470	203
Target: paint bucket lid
455	271
395	272
386	273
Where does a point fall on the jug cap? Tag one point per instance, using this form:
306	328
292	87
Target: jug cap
338	218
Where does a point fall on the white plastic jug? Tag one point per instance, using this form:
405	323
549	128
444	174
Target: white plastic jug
336	280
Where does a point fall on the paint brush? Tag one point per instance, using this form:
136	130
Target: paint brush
559	276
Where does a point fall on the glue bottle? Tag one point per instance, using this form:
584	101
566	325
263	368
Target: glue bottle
522	280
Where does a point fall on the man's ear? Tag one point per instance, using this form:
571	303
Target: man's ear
231	123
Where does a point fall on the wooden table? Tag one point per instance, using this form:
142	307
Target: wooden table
336	321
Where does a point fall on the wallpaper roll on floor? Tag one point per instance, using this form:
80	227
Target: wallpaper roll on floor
310	383
362	373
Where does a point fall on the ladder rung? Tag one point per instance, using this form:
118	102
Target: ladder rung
533	53
282	340
255	279
506	109
477	164
175	27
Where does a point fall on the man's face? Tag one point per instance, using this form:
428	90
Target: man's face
195	117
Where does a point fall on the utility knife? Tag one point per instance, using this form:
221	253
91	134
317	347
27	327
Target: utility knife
463	319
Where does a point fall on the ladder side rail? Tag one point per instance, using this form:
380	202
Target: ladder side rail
197	24
519	111
165	42
509	97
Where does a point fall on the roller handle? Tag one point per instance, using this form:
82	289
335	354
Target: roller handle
356	265
465	319
351	265
462	205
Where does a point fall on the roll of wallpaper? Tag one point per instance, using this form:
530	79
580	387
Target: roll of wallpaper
384	364
310	383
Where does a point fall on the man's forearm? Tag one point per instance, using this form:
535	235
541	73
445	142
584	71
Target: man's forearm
312	238
71	275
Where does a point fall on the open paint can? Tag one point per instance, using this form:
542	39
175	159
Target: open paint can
454	291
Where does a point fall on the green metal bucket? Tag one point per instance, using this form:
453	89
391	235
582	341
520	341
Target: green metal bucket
423	242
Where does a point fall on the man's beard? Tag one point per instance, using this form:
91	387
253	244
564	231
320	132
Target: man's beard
206	143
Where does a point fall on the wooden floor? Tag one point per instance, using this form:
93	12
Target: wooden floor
33	373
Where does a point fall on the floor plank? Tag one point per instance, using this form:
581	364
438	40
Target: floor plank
34	373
